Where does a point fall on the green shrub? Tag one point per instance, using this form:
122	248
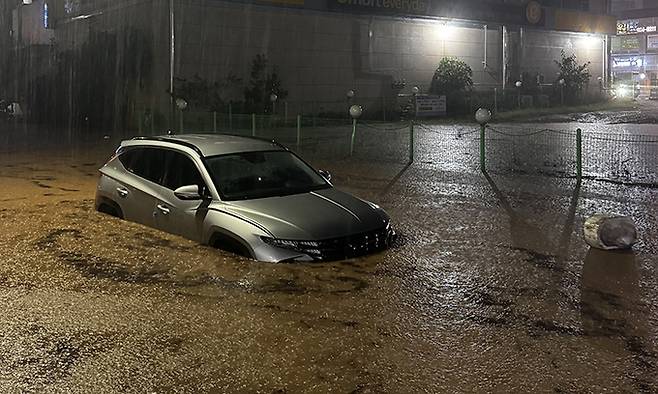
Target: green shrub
576	76
452	78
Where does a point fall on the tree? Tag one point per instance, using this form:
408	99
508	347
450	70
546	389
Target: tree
575	76
202	94
453	76
262	84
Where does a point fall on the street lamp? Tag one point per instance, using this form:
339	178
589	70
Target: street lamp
561	82
414	92
181	104
273	98
355	112
518	85
350	96
482	116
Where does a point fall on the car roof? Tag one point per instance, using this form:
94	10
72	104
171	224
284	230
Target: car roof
213	144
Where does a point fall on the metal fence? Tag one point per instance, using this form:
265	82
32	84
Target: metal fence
318	138
622	158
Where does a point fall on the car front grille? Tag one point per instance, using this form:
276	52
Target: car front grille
344	247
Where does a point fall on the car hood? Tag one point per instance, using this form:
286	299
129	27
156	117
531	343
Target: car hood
318	215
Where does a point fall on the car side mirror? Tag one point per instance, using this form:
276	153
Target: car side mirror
188	193
325	174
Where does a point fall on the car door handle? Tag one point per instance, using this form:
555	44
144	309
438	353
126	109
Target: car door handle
164	209
123	192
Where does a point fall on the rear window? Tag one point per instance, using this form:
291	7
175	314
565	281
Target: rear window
148	163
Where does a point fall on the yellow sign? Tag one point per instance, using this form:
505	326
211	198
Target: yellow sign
585	22
533	12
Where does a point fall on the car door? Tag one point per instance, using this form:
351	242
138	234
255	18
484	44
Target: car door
172	214
137	189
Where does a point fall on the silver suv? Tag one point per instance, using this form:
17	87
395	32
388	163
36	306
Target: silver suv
244	195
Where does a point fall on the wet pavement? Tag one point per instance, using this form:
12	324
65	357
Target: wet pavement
490	289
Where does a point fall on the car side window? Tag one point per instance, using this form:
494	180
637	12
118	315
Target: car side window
148	163
180	171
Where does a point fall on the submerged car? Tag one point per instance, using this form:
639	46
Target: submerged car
244	195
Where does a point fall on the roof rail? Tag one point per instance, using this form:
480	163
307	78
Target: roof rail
173	141
270	140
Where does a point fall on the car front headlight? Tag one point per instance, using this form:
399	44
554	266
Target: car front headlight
308	248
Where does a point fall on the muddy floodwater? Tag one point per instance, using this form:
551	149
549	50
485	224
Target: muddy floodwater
491	288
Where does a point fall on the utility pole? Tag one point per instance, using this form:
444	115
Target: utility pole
172	65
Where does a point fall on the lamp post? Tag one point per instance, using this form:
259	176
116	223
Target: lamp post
355	112
181	104
482	116
172	64
350	97
518	85
273	98
561	82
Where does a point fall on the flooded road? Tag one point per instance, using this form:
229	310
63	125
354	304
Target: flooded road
490	288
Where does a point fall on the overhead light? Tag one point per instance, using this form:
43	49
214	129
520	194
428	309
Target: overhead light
589	41
444	30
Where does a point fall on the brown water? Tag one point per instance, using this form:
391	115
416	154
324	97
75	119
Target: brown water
491	288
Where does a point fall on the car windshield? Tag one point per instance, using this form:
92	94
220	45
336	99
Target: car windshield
249	175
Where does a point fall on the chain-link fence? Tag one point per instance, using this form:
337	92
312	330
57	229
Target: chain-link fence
542	151
623	158
314	137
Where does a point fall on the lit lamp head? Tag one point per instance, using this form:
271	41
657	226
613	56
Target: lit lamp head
518	84
356	111
350	94
181	104
273	97
561	81
483	116
415	90
643	76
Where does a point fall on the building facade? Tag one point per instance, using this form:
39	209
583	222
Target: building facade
634	49
323	48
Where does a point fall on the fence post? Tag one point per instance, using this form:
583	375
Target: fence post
253	125
483	166
230	116
139	122
299	132
495	100
411	141
353	136
214	121
579	154
181	122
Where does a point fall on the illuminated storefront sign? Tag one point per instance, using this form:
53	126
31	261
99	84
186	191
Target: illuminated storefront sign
625	44
633	26
632	62
652	43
